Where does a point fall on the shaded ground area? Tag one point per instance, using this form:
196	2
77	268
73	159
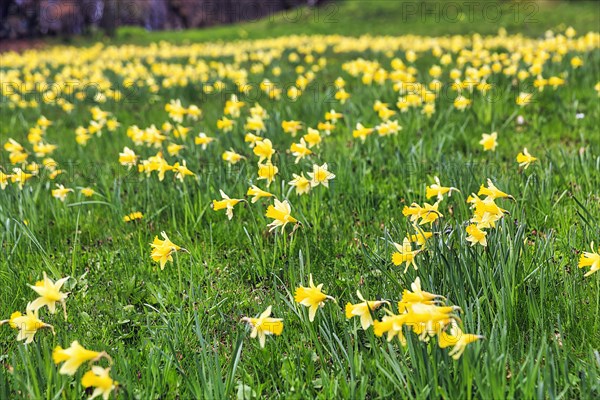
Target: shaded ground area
20	45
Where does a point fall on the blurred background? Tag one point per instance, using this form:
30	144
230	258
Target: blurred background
35	18
31	23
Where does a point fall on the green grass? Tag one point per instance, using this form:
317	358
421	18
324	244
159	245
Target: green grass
177	333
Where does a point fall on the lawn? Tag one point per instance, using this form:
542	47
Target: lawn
508	232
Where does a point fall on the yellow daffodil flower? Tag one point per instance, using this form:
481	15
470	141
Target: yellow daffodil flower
525	159
590	259
257	193
232	157
203	140
301	184
476	235
311	297
457	339
162	250
264	325
264	150
74	356
405	254
100	380
363	310
50	294
61	192
300	150
226	203
489	141
320	175
438	190
281	214
27	324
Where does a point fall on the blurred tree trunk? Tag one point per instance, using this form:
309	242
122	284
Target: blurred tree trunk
110	16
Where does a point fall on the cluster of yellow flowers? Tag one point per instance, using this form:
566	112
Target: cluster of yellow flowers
100	120
427	214
50	294
421	312
97	377
18	155
485	212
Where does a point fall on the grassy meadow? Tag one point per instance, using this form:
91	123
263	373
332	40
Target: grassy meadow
159	124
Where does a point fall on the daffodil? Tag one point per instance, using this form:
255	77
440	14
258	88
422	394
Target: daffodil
342	96
461	103
74	356
363	310
590	259
427	214
417	295
173	149
489	141
476	235
176	110
12	146
43	149
320	175
313	138
300	150
281	214
252	139
232	157
181	170
333	116
576	62
524	99
225	124
421	237
226	203
326	127
87	191
50	294
264	325
203	140
233	106
162	250
264	150
257	193
301	184
267	172
438	190
361	132
61	192
405	254
255	123
492	192
291	127
128	157
27	324
311	297
392	325
525	159
4	178
99	378
20	177
457	339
